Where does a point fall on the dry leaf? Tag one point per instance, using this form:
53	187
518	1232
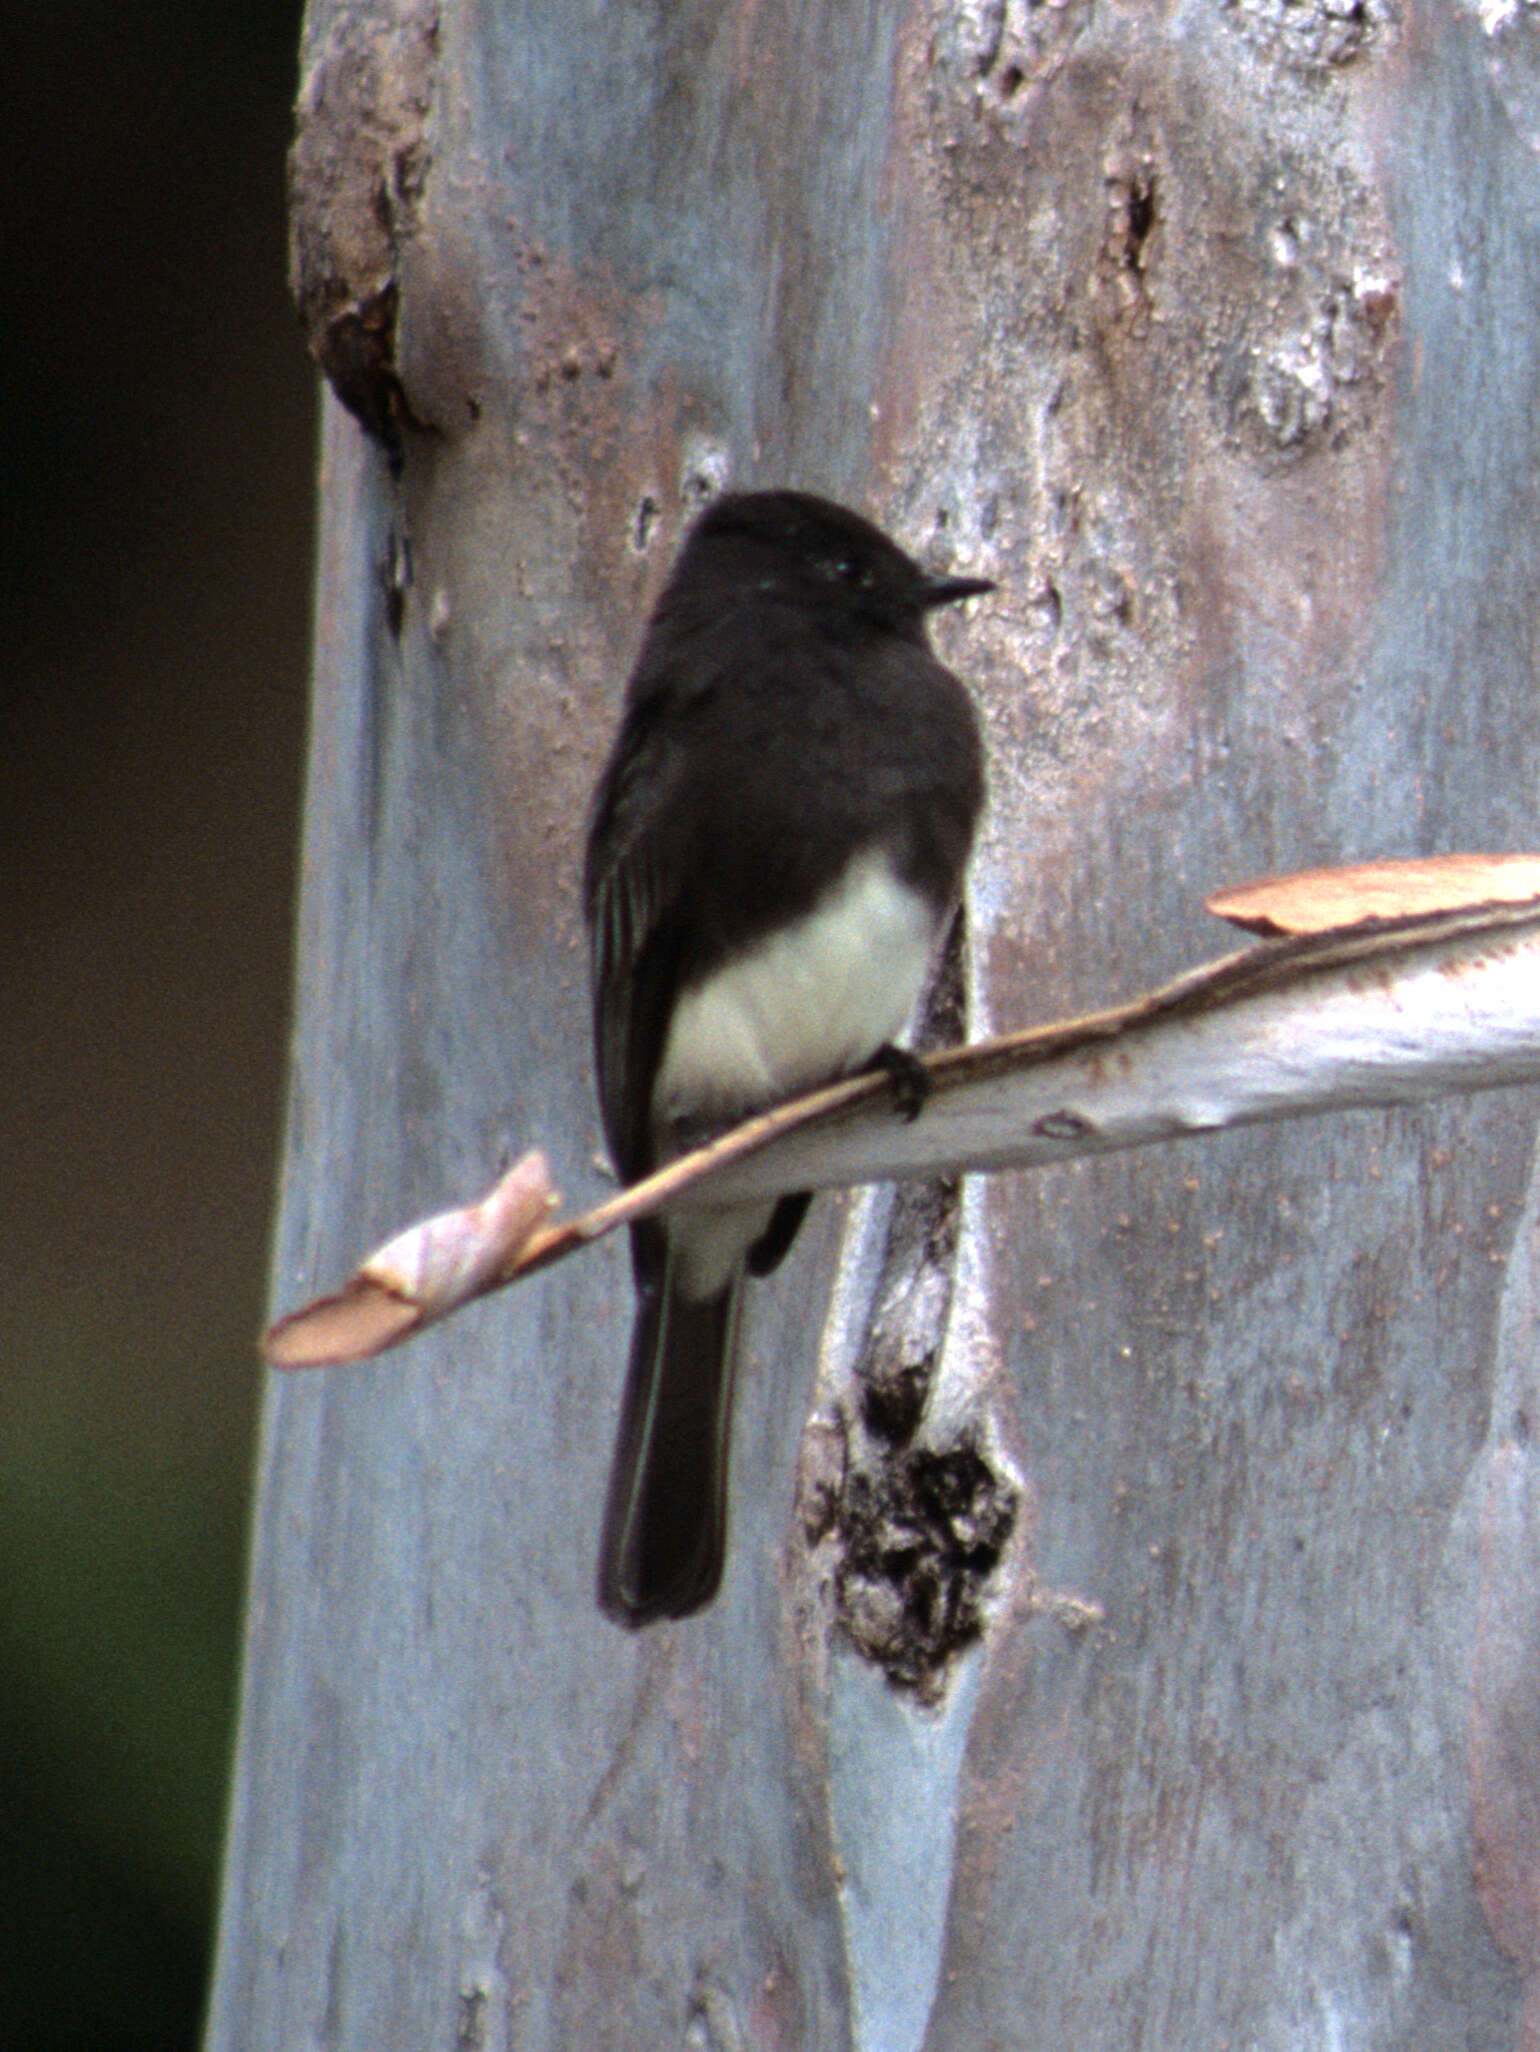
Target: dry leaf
420	1274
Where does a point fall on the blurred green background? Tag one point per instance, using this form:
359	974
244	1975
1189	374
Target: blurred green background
156	438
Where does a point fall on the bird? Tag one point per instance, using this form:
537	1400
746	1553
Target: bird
776	845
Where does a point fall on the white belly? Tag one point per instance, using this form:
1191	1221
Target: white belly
813	1002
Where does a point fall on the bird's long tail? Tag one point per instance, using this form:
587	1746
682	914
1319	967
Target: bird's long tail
665	1524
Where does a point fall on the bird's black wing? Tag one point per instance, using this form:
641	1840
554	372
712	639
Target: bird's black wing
630	896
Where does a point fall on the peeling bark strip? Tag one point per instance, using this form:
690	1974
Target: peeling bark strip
908	1316
910	1307
357	173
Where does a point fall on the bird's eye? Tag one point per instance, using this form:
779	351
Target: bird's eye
846	570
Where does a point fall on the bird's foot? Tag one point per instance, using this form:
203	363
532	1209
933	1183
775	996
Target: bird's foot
911	1078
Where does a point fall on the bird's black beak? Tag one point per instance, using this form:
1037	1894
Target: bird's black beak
946	591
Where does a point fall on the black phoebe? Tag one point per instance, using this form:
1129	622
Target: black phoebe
777	841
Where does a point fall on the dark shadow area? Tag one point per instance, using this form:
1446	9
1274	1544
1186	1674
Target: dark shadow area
156	436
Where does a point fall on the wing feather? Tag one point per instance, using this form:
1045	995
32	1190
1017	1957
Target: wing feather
631	903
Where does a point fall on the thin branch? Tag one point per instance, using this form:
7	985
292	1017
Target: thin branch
1387	1011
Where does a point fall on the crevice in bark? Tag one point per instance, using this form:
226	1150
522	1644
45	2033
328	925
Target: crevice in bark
920	1524
920	1536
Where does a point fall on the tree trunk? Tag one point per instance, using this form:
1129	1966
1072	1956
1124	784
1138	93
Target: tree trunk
1208	330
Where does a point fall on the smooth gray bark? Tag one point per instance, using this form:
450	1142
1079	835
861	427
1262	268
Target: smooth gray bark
1208	330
